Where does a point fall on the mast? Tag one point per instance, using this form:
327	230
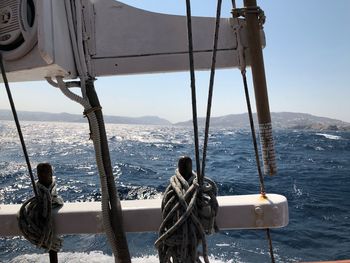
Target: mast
260	86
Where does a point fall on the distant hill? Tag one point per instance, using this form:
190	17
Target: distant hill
307	121
67	117
280	120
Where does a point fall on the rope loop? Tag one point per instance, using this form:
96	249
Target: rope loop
208	206
91	110
35	220
188	212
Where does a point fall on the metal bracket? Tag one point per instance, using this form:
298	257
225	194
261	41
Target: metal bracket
237	26
241	12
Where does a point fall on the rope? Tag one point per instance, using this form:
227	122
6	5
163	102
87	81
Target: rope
268	235
47	237
111	208
35	220
189	208
186	219
193	89
257	158
106	199
233	3
242	65
252	128
18	126
211	85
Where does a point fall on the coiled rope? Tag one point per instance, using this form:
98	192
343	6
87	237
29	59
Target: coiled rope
189	212
189	205
35	220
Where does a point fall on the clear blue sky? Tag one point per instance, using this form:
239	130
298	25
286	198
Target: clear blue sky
307	60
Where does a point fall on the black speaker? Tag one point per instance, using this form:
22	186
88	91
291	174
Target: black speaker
18	28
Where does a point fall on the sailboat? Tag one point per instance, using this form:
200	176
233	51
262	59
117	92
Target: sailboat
65	40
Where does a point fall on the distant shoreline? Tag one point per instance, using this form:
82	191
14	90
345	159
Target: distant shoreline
280	120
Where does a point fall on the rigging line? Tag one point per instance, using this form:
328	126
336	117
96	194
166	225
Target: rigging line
199	51
257	158
261	178
193	89
270	245
14	112
211	85
233	4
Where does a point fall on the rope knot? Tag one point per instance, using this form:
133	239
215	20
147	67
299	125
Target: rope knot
208	206
91	110
188	211
35	218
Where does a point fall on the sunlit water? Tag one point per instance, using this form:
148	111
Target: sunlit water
314	174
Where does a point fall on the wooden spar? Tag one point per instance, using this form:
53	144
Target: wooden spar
260	86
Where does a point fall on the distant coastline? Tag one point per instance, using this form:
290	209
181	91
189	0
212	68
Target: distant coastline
67	117
280	120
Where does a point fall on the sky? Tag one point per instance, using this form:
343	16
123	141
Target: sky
307	63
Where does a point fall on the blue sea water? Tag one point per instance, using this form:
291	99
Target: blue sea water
314	174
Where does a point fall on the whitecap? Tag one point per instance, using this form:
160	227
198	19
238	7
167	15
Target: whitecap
329	136
319	148
297	191
222	245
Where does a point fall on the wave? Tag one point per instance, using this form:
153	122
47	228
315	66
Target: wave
329	136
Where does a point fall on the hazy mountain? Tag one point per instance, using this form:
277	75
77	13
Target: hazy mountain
280	120
67	117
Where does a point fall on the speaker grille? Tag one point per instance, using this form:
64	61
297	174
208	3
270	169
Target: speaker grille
10	31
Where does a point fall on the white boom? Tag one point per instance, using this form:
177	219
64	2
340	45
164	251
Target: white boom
119	39
235	212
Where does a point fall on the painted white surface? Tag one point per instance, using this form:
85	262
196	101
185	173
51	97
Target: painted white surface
122	40
52	55
235	212
129	40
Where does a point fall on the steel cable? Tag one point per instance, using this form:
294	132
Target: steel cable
18	126
211	86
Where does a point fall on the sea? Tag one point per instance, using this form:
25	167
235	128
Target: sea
313	173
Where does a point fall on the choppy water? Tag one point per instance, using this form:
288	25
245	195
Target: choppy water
314	174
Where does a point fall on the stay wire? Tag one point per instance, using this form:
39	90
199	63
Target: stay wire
261	178
257	158
193	89
251	120
233	4
211	86
19	130
268	234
